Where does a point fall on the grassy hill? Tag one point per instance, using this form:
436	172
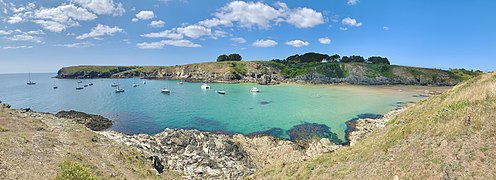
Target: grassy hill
266	72
450	136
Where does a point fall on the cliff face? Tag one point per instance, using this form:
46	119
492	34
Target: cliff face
266	72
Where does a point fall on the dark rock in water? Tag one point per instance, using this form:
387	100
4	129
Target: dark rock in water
265	102
276	132
307	131
370	116
206	124
157	164
94	122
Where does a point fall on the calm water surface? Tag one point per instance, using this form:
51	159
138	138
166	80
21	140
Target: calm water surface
144	109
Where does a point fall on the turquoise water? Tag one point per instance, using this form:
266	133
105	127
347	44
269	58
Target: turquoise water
145	110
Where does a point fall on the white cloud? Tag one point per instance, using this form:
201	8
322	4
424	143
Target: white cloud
264	43
305	18
64	13
353	2
54	26
76	45
4	32
17	47
160	44
297	43
135	20
195	31
325	40
351	22
19	35
248	14
171	34
239	40
385	28
143	15
14	19
107	7
60	18
25	37
258	14
343	28
100	30
157	24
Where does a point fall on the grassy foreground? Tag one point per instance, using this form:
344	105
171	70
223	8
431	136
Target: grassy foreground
449	136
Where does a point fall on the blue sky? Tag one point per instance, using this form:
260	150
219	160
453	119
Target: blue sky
42	36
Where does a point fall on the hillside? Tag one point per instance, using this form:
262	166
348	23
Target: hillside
273	72
450	136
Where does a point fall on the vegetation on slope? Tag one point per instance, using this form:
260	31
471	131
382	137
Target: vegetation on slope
449	136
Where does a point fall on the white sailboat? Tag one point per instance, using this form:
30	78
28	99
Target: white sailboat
254	90
54	85
118	87
222	91
205	86
166	90
115	84
29	80
119	90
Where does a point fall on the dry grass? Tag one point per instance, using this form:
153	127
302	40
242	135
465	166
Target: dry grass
452	135
41	146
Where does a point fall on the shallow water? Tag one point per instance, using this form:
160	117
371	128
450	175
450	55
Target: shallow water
144	109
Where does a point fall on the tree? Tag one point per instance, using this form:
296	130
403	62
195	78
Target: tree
334	58
231	57
358	59
234	57
378	60
222	58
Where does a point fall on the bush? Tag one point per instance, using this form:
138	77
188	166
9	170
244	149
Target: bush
73	170
231	57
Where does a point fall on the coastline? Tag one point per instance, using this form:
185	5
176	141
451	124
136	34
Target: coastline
201	154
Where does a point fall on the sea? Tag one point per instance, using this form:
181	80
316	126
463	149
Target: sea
144	109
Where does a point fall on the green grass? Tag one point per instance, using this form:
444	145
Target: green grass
74	171
450	133
3	129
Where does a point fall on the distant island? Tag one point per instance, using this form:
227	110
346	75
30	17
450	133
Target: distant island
312	68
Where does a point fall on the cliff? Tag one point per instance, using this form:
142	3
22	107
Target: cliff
270	72
448	136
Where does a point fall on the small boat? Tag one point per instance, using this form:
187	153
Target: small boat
254	89
119	90
181	82
165	91
79	88
114	85
205	86
222	91
144	82
90	84
29	80
135	85
80	81
55	87
86	85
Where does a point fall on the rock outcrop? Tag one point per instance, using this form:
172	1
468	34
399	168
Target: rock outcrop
94	122
208	155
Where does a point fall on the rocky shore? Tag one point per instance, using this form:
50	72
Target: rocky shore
189	154
361	127
206	155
